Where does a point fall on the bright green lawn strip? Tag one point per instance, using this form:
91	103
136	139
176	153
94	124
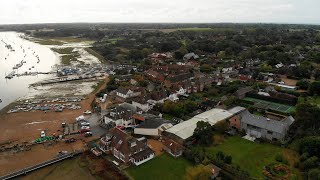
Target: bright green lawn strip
49	42
161	167
66	59
67	50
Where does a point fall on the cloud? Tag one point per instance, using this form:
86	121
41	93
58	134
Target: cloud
43	11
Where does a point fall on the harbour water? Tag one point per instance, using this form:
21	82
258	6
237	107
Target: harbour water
20	56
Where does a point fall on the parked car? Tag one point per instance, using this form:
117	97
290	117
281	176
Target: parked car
42	134
85	124
80	118
88	134
70	140
87	112
85	127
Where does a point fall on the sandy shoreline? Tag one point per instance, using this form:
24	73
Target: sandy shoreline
25	127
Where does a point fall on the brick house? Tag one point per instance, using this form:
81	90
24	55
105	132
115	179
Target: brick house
177	79
235	120
154	76
173	148
125	147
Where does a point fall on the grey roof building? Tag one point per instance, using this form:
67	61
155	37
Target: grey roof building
190	56
262	127
152	126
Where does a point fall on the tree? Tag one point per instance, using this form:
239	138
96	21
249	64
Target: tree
221	54
314	174
314	88
317	74
307	116
230	101
180	53
199	172
303	84
146	52
135	54
310	163
203	133
221	126
206	68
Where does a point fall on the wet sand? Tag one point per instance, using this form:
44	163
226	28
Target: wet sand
26	126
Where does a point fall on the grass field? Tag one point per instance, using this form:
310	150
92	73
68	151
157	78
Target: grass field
67	59
315	100
67	50
161	167
271	105
49	42
195	29
114	40
251	156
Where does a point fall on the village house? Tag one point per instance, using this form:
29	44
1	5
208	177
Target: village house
123	78
178	69
151	125
173	148
126	93
154	76
263	127
172	69
241	93
142	102
160	57
120	116
125	147
158	97
176	79
190	56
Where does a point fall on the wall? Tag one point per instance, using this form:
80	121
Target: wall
235	122
148	132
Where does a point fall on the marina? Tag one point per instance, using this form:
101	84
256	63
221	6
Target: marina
22	63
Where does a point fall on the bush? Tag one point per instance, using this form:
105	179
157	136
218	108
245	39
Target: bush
281	159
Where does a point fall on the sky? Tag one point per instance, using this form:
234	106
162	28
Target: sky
166	11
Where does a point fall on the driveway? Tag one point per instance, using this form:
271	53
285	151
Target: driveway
96	129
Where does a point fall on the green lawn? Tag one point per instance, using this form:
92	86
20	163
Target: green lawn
161	167
315	100
195	29
250	156
49	42
67	50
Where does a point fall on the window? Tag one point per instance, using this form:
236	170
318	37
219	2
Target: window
269	132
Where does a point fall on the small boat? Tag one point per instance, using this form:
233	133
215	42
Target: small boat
0	100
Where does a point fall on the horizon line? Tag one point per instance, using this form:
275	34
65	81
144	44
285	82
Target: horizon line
275	23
